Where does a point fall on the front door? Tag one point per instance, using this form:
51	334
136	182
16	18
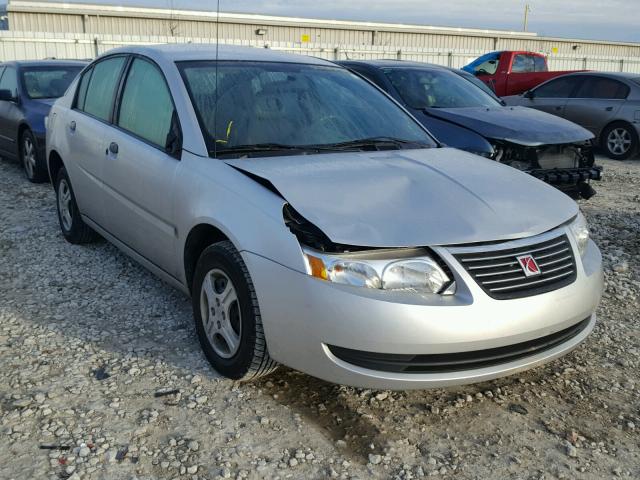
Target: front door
552	96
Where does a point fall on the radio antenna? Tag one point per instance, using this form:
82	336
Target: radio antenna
215	108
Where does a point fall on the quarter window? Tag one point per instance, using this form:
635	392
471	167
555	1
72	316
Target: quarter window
101	88
82	89
601	87
146	107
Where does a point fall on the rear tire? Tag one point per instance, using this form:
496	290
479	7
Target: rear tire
620	141
31	163
227	315
73	228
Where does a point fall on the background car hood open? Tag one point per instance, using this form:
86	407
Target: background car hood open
405	198
520	125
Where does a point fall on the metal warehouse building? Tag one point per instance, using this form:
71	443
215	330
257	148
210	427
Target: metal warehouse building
100	27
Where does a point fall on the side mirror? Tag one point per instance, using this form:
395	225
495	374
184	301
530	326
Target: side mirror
7	96
529	94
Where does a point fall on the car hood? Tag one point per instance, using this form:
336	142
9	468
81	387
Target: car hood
520	125
408	198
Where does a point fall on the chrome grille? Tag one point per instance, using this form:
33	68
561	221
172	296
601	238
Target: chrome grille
500	275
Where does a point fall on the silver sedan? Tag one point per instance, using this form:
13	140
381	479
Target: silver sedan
315	223
608	104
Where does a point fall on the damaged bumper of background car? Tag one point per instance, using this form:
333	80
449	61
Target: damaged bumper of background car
569	167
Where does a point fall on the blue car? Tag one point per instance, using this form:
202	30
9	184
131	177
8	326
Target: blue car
27	91
462	112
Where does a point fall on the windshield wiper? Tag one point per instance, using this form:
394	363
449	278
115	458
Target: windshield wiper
373	143
259	148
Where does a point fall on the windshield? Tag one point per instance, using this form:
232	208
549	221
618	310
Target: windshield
278	105
478	83
48	82
485	65
422	89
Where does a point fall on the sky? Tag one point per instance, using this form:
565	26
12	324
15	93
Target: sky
591	19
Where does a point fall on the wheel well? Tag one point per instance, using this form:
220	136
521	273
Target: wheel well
55	164
199	238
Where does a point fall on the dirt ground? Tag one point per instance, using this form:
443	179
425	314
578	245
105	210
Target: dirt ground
101	377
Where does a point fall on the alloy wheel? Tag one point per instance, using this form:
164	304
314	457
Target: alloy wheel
64	204
220	312
29	157
619	141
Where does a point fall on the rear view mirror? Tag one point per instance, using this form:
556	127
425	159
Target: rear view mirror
6	95
529	94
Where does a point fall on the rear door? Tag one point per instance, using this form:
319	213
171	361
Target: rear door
596	102
10	113
139	171
552	96
87	127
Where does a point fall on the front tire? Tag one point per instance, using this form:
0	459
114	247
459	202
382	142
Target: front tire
227	315
73	228
31	163
620	141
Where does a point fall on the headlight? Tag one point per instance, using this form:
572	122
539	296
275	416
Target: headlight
424	274
580	231
387	270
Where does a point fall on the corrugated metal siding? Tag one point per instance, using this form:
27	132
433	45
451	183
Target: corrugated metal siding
340	42
15	45
287	32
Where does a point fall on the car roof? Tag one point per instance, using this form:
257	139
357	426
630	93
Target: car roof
393	63
616	75
50	62
195	52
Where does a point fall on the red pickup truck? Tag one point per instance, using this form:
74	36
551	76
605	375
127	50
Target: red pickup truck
512	73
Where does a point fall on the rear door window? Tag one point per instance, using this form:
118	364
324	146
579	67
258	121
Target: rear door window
146	107
603	88
101	88
557	88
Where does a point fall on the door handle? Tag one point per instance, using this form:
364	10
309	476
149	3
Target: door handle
558	108
72	126
609	109
113	148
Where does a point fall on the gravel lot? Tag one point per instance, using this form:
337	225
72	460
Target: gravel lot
89	342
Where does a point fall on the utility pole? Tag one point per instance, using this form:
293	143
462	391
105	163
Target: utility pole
527	10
